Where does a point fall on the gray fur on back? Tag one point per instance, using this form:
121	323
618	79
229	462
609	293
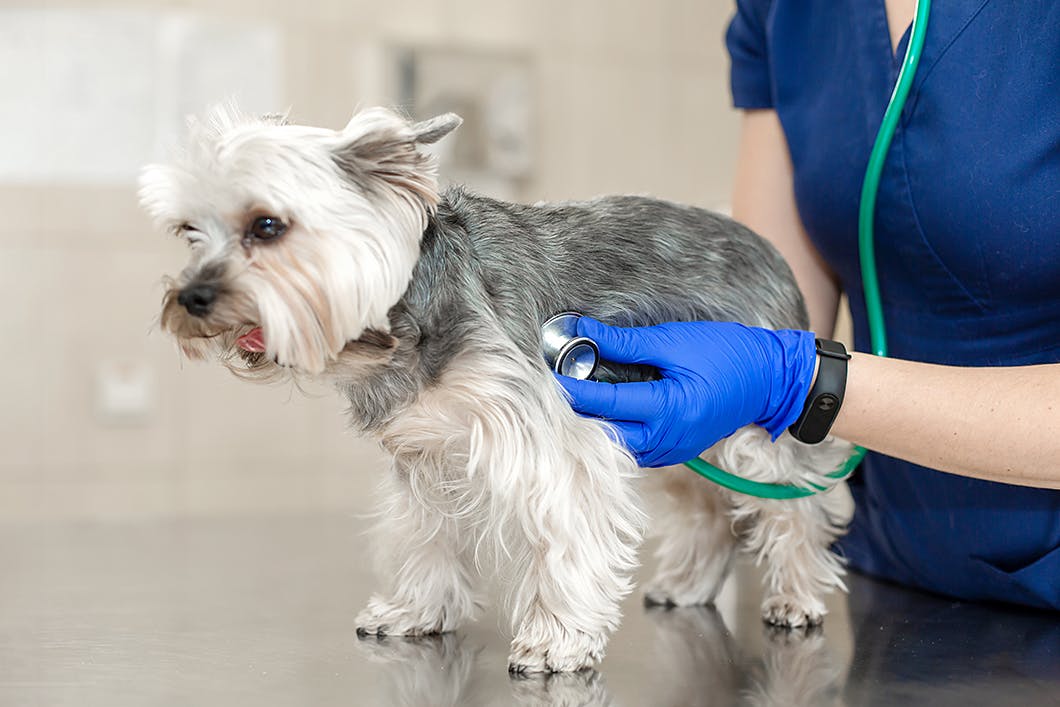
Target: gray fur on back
489	269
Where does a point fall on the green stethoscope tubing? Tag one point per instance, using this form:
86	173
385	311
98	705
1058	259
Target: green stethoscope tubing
867	254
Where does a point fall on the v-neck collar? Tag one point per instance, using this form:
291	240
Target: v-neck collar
948	20
897	54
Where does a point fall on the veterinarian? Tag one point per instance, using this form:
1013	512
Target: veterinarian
959	493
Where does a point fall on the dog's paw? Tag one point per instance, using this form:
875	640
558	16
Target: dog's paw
564	652
384	618
792	612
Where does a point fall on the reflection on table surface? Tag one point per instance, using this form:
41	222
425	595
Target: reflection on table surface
260	610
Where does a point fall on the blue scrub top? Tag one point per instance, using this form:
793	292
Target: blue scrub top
968	244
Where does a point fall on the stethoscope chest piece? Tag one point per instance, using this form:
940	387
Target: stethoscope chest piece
565	352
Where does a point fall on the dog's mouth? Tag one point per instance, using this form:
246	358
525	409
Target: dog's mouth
253	341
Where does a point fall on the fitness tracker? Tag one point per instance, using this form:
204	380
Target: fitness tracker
826	395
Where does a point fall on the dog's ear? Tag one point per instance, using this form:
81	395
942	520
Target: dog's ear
379	144
434	129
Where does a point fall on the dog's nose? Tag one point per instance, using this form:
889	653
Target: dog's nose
197	299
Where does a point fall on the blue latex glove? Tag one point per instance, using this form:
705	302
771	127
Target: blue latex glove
717	378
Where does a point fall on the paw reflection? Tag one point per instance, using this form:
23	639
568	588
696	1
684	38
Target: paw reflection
581	689
688	657
698	662
425	670
446	671
797	668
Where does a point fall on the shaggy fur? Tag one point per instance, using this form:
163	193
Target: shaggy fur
424	310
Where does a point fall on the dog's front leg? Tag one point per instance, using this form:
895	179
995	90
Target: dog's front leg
580	521
430	573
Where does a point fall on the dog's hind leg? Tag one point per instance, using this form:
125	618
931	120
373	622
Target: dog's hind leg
580	525
428	561
792	537
696	546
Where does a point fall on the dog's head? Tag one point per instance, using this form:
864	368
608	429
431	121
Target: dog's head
301	238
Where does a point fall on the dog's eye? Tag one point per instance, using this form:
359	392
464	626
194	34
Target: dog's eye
191	234
265	228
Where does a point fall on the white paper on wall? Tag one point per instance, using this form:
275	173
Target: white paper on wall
89	96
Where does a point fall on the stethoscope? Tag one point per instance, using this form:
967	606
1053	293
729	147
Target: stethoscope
576	356
569	354
565	352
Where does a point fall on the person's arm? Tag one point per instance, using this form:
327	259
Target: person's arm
764	201
1001	424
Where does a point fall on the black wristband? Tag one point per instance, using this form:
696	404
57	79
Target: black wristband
826	395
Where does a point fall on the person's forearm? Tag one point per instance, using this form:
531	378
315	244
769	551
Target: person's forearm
1001	424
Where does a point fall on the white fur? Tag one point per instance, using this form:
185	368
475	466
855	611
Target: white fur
235	164
546	492
488	470
700	525
554	500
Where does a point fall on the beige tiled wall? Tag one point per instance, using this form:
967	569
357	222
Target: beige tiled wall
631	97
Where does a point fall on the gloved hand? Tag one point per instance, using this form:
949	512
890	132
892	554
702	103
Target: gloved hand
717	378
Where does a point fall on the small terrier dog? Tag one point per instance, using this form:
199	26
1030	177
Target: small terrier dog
333	254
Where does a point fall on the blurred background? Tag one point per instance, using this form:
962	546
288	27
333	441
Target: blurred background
101	419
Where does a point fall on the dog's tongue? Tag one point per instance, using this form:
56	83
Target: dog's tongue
253	341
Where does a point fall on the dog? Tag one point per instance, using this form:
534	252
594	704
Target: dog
335	255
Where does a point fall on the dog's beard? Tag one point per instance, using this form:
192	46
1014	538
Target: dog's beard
357	204
300	304
242	348
218	335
